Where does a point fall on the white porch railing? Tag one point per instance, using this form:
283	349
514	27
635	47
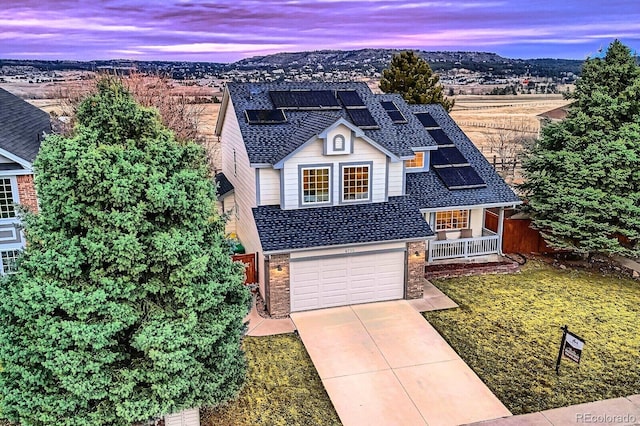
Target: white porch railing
464	247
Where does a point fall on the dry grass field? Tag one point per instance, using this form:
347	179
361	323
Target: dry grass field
488	120
500	125
480	116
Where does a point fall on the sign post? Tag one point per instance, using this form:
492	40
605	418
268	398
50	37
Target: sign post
571	347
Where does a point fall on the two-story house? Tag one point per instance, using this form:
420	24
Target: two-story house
22	128
345	195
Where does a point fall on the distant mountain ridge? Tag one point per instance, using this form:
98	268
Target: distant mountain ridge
363	61
379	59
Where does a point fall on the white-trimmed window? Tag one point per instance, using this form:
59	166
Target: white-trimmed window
417	162
450	220
355	183
9	258
7	206
315	185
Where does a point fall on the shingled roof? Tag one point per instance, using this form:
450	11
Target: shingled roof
270	143
22	126
223	186
396	220
430	192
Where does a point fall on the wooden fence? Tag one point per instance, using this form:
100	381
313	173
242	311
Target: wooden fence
250	270
517	236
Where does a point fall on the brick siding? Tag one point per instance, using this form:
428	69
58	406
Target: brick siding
27	192
279	302
415	270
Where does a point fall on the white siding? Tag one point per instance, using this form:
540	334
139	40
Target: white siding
313	154
395	179
4	159
476	221
261	273
347	250
228	206
343	131
183	418
243	178
269	187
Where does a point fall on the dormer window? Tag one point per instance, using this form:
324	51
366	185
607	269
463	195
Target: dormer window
338	143
356	183
315	188
417	162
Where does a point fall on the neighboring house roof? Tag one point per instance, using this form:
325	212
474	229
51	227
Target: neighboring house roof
556	114
223	186
270	143
429	191
22	126
396	220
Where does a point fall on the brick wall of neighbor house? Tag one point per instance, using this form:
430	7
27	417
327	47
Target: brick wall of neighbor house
415	269
279	297
27	192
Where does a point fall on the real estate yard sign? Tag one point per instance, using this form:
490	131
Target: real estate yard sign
570	347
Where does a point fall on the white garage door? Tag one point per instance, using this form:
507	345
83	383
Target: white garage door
346	280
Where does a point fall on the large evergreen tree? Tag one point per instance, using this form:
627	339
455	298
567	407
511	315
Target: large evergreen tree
582	179
126	304
412	77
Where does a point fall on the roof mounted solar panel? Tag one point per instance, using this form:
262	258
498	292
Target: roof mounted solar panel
397	117
393	112
362	118
304	99
388	105
437	159
440	137
265	116
350	99
453	155
460	177
426	119
450	177
471	178
448	157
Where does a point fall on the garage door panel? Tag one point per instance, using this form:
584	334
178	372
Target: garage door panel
362	283
348	279
364	297
383	269
306	304
306	290
329	300
335	287
339	274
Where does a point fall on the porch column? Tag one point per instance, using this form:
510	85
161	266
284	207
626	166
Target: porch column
432	225
500	229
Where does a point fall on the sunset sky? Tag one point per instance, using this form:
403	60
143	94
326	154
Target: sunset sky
226	31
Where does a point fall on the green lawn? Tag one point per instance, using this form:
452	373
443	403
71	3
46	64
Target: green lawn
507	329
282	388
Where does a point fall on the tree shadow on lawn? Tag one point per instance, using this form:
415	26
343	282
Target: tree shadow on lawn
282	388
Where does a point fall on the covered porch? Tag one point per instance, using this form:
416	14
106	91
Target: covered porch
464	233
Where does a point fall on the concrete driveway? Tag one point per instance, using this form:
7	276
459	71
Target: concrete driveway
384	364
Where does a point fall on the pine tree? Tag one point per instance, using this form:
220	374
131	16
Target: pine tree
412	77
126	304
582	179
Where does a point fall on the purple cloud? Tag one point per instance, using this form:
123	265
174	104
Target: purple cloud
230	30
